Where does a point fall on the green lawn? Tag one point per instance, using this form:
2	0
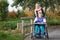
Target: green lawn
9	36
53	21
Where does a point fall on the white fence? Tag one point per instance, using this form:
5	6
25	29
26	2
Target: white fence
23	26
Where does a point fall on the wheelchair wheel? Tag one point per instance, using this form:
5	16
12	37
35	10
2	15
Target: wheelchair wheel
46	36
46	33
32	37
32	34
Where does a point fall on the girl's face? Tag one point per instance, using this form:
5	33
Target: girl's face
40	14
37	6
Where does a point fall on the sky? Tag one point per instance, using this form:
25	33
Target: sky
10	2
10	8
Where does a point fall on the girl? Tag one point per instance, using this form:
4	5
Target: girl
39	19
38	8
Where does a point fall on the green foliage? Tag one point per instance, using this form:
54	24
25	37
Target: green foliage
17	2
3	4
8	25
3	9
11	23
21	14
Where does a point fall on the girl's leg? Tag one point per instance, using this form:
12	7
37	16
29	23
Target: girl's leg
42	29
36	30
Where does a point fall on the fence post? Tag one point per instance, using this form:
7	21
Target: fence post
31	24
17	25
22	26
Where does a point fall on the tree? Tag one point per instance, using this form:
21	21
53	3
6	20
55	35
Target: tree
44	3
3	9
16	2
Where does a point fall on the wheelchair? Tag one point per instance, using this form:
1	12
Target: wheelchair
38	35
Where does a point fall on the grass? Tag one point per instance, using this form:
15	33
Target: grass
9	36
53	21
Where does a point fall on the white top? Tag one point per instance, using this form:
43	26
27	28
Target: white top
44	20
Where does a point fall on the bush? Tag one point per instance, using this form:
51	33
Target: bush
11	23
3	10
8	25
22	14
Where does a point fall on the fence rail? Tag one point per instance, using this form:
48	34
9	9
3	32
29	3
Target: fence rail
25	26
